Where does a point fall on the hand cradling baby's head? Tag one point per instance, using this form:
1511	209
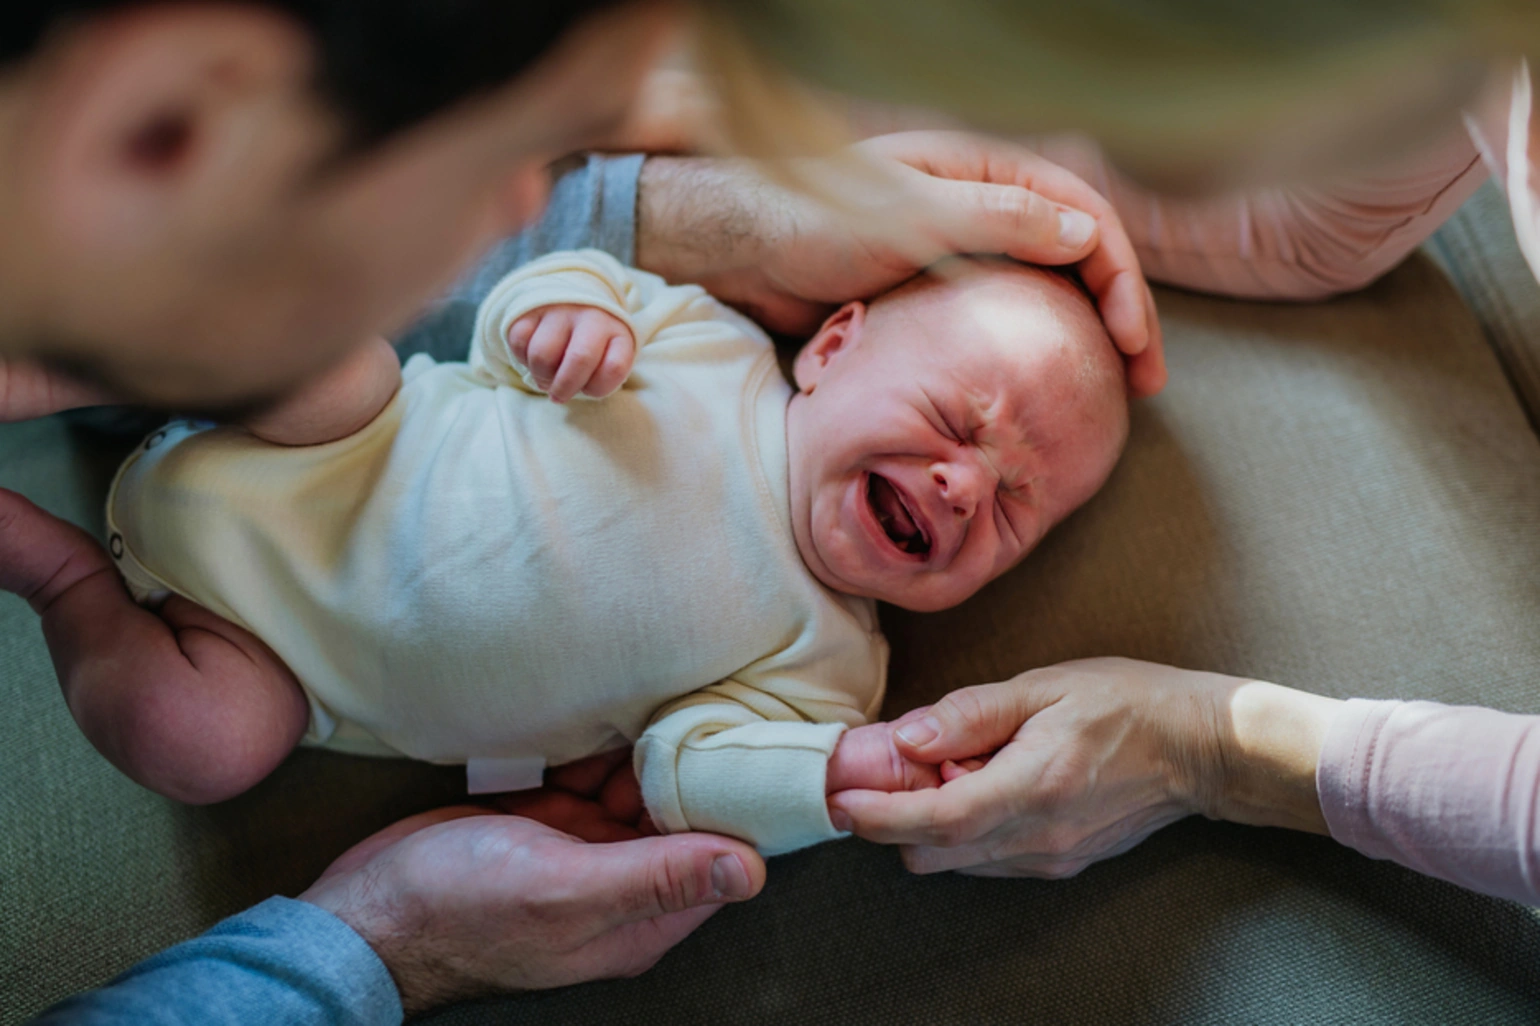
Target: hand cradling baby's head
941	430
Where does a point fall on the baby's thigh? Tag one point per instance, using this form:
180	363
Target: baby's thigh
180	699
234	670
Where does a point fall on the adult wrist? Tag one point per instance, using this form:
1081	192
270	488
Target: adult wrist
696	218
384	927
1269	747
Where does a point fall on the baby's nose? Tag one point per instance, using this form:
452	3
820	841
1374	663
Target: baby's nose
962	484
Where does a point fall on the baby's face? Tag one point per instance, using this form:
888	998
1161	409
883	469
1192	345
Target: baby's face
939	432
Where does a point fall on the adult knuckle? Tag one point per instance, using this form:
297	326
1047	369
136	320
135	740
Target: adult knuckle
673	885
1032	217
979	708
965	706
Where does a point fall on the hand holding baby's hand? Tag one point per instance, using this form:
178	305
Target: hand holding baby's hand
570	349
866	759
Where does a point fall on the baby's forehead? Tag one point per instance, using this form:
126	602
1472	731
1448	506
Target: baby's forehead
1019	341
994	315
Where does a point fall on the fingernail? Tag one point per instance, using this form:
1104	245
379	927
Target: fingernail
728	877
1075	228
921	732
841	820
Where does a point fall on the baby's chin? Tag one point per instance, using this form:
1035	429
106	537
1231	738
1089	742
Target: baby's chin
918	593
928	593
924	600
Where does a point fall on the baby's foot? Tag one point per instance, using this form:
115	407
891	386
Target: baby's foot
41	556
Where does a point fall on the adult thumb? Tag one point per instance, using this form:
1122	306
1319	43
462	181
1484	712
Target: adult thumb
973	721
985	217
658	876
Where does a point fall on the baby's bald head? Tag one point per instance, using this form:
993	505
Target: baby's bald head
1020	315
941	430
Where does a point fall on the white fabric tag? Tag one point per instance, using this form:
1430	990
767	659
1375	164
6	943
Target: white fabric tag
490	776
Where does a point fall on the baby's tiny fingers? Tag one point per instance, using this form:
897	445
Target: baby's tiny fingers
519	335
614	369
583	355
549	346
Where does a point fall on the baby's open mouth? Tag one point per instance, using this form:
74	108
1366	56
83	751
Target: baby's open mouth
894	517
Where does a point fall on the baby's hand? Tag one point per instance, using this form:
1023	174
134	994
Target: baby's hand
866	759
570	349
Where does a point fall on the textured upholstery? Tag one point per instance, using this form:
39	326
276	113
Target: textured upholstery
1344	497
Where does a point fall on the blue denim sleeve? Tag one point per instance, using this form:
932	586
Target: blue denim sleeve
592	206
283	961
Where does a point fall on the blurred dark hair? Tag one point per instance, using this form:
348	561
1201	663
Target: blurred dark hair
382	64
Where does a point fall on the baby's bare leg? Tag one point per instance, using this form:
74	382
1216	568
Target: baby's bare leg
182	701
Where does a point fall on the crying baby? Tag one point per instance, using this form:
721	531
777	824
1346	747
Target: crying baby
615	524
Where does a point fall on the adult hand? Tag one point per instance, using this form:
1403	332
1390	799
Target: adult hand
913	198
596	799
460	902
1088	759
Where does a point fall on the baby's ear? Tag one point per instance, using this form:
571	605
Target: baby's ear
838	334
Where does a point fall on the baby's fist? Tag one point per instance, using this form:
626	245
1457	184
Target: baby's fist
866	759
570	349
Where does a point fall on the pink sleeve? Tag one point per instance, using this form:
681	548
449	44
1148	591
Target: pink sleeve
1301	243
1450	791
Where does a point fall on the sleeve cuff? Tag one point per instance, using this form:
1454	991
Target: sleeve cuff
580	278
1342	777
281	961
331	952
762	782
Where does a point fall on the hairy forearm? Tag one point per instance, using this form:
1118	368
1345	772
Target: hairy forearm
695	217
1264	770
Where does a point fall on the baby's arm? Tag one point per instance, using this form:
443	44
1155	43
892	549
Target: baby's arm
573	323
336	403
567	349
182	701
738	760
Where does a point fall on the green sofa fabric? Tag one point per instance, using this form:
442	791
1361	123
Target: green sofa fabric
1344	497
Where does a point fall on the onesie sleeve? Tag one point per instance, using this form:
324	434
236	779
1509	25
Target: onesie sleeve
582	277
738	760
